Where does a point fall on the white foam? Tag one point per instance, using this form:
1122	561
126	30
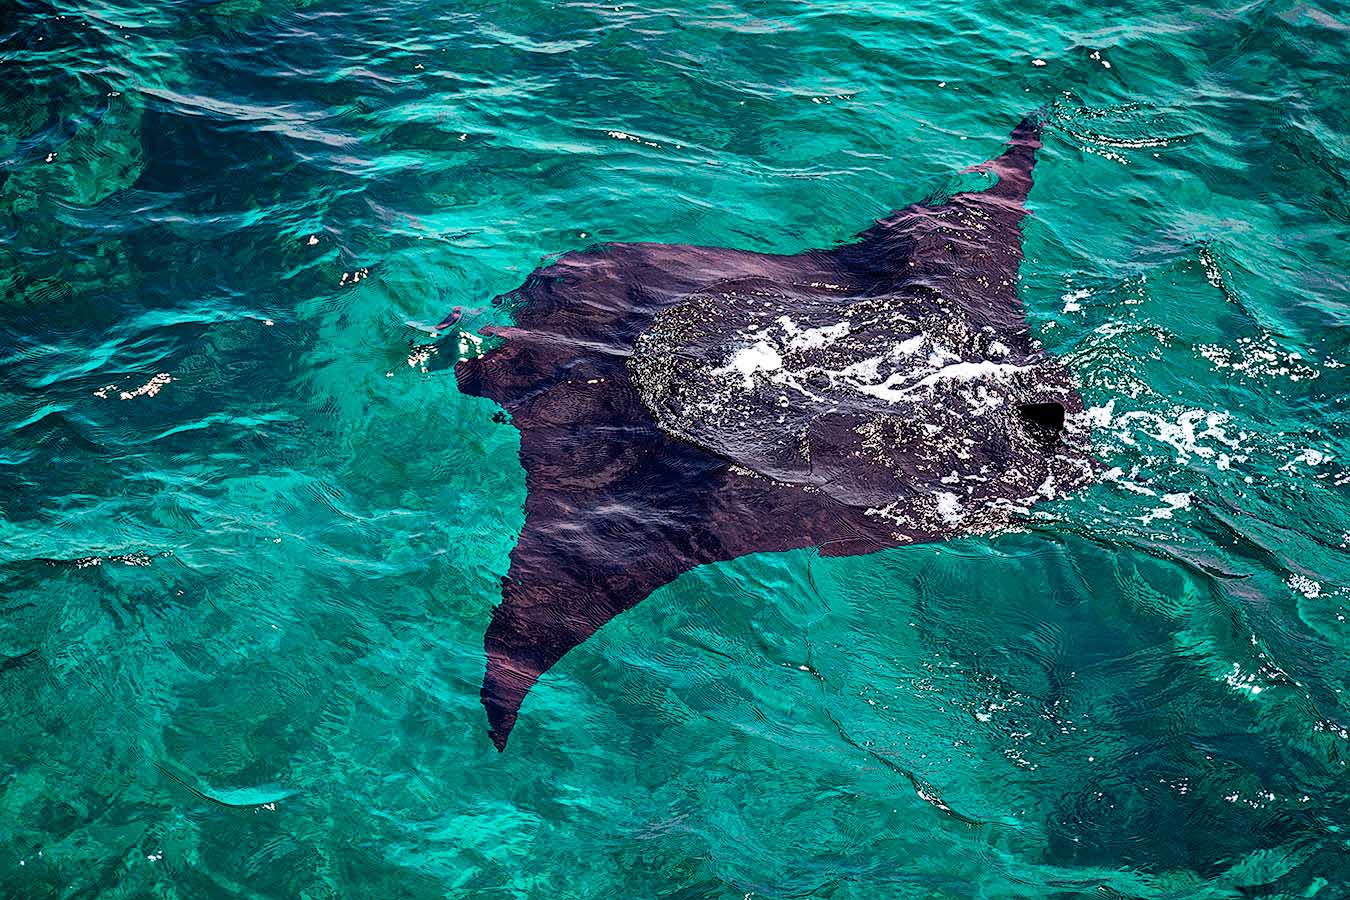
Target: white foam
1308	457
760	357
1100	416
862	372
1174	502
812	338
149	389
969	371
1305	586
1191	434
1261	358
1071	304
891	390
909	346
1241	681
940	356
949	507
981	401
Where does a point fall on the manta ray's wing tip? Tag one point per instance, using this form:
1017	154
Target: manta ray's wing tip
501	719
1028	131
506	681
498	739
1013	167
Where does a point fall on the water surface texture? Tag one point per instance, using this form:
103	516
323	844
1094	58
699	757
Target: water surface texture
251	533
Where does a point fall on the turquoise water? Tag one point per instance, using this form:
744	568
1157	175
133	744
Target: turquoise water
251	533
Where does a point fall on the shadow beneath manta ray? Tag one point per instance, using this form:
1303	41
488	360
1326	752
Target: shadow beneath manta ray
682	405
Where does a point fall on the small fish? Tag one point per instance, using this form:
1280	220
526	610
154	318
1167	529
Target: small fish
239	798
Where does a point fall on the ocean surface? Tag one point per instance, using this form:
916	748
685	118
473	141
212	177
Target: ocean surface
251	533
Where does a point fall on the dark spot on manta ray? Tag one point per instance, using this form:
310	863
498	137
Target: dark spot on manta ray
680	405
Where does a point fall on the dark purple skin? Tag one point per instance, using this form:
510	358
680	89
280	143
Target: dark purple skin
633	476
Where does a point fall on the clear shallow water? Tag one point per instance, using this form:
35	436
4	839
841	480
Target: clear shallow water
252	533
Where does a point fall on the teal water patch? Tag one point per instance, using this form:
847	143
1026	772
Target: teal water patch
251	533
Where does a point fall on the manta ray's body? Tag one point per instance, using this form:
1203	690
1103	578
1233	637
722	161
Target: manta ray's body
681	405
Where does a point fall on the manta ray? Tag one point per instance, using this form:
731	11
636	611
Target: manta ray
681	405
